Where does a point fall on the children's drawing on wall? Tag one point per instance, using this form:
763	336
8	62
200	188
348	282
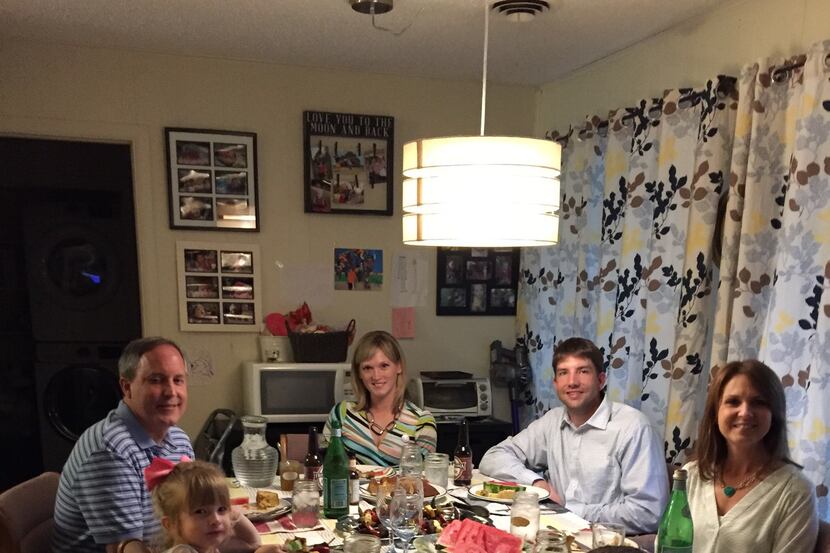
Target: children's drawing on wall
358	269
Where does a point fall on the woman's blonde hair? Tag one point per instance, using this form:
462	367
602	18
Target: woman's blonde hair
365	349
191	484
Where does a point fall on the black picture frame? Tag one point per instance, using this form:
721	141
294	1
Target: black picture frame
348	163
476	281
212	179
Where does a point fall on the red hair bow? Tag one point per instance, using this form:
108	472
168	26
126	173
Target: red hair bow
158	470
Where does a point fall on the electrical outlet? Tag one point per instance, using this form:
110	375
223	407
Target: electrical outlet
275	349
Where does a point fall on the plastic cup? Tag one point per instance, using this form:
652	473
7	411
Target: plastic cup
287	479
607	533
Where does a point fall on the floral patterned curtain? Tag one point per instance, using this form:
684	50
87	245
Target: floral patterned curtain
695	229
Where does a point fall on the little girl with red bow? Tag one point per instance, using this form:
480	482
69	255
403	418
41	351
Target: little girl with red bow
191	498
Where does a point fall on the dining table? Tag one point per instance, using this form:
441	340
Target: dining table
552	515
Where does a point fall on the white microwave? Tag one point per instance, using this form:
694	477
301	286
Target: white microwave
295	392
469	397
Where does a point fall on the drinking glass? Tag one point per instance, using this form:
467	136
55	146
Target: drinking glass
383	498
306	504
607	533
437	468
406	513
411	484
361	543
524	516
412	463
551	541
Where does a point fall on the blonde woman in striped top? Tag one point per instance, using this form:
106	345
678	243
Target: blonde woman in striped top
374	425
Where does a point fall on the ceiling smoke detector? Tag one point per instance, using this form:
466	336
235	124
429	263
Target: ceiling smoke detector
372	7
520	11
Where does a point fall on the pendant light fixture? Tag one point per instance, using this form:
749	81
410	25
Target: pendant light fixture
481	191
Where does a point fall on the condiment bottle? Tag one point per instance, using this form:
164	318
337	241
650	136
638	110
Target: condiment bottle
354	481
463	457
312	462
335	476
675	533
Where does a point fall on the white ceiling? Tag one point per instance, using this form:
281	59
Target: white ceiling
444	40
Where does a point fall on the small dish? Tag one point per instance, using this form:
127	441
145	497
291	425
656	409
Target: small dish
263	515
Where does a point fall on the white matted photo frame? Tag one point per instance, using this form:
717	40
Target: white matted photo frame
212	179
219	287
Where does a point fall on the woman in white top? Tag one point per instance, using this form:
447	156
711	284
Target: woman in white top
745	494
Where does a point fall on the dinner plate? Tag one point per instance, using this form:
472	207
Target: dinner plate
262	515
475	492
364	493
367	472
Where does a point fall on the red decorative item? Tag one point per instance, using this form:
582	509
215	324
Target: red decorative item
159	469
276	324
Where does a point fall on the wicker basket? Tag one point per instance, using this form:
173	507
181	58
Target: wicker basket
322	347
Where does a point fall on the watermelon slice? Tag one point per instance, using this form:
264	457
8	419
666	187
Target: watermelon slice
468	536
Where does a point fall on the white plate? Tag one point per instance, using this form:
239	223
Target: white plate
368	472
364	493
475	492
261	515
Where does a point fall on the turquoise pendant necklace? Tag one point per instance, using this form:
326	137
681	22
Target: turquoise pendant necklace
729	491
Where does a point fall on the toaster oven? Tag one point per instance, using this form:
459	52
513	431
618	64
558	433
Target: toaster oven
468	397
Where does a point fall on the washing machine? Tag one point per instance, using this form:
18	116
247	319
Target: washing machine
76	385
81	267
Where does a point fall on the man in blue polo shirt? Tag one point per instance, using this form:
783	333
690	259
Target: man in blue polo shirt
103	504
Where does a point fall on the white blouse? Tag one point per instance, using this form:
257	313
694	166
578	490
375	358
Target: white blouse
778	515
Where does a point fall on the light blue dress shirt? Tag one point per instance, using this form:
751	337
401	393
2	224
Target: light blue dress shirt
609	469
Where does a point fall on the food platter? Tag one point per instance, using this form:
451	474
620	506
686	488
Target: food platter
263	515
475	492
370	497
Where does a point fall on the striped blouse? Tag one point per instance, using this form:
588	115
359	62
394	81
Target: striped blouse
414	422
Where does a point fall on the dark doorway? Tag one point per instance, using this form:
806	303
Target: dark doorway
68	294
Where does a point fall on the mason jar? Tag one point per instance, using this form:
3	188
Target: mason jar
437	468
524	516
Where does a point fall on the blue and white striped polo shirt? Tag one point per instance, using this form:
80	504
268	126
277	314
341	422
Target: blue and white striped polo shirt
102	497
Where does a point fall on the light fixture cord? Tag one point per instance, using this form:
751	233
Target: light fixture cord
484	63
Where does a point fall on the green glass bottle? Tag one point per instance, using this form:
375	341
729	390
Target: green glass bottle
676	532
335	476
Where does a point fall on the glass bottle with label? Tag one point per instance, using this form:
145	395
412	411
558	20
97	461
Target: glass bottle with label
312	462
463	457
676	532
335	476
354	481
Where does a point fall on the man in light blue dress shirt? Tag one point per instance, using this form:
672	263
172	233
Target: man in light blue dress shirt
599	458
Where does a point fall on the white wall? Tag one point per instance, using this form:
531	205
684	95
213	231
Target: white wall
98	94
719	42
